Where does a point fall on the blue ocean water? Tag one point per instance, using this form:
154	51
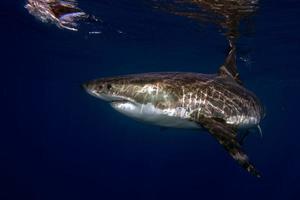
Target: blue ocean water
57	142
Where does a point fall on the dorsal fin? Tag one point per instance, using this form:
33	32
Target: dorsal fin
229	68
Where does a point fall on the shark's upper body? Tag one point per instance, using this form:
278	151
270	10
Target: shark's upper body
218	103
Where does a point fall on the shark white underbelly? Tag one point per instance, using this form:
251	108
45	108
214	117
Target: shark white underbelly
175	118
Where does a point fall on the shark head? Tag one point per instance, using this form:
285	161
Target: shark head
131	88
117	91
107	90
137	96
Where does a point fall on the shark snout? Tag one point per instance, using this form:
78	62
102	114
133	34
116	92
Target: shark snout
90	89
101	90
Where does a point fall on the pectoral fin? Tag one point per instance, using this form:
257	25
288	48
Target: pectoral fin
227	136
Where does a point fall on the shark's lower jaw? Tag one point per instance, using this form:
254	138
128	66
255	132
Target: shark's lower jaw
148	113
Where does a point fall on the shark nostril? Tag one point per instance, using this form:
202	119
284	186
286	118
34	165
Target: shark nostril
108	86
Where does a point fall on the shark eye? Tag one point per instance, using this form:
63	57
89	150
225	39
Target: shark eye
108	86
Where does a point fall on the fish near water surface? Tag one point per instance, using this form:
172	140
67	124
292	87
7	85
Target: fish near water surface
63	13
217	103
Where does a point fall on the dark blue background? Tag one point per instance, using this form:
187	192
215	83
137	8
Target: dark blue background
57	142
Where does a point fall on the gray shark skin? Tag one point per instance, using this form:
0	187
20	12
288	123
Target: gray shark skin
217	103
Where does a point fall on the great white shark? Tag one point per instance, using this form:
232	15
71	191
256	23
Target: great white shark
218	103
